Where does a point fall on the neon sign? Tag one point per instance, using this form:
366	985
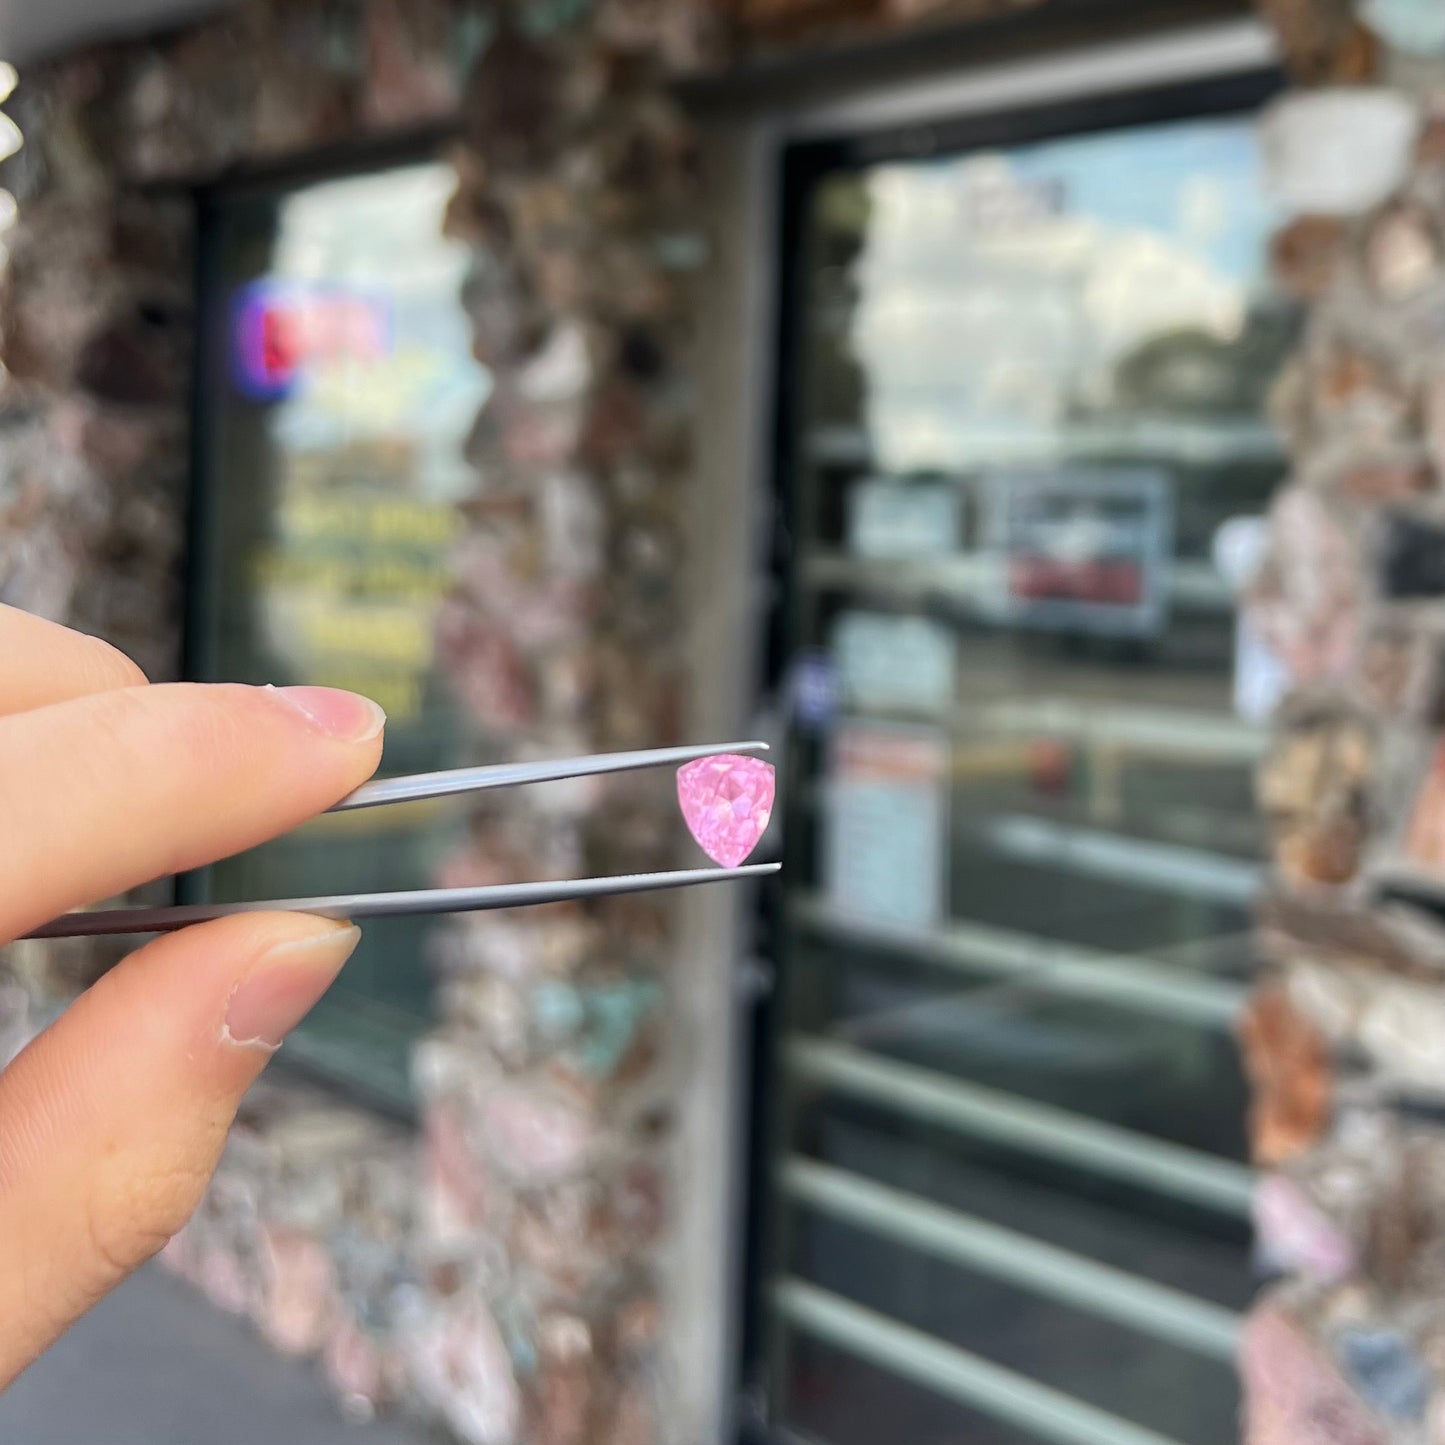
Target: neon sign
283	332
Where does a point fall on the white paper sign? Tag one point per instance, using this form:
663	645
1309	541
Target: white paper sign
885	661
898	519
886	853
1079	549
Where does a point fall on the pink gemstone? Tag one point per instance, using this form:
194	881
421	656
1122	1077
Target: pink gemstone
727	801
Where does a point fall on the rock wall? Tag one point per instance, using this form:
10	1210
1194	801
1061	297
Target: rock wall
1345	1036
500	1271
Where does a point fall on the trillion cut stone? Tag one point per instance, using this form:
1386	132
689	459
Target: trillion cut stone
727	801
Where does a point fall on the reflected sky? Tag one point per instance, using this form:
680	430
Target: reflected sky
999	292
382	234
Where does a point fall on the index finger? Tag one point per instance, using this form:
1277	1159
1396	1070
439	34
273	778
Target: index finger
102	793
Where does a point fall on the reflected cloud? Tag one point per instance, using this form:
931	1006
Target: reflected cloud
992	305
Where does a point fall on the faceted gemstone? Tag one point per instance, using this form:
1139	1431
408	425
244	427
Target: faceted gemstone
727	801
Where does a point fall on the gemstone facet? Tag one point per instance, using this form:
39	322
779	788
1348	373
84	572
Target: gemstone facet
727	801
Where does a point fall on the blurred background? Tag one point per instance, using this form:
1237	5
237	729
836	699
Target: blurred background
891	379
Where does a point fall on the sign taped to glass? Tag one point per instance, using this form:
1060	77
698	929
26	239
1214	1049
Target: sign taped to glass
885	661
886	855
1080	550
889	519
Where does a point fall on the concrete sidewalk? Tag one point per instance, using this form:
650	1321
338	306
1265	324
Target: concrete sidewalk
156	1365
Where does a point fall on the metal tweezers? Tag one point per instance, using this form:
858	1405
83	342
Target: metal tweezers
94	923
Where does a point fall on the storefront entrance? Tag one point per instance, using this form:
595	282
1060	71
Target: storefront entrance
1022	449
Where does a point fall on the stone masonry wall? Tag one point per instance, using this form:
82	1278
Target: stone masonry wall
1345	1036
514	1293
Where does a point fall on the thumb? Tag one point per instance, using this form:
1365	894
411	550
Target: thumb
113	1119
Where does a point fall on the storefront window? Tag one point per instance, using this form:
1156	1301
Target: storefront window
1025	427
339	388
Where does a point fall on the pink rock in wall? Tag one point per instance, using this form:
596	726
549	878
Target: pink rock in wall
460	1364
535	1140
1294	1396
298	1290
411	76
454	1196
1293	1234
1307	604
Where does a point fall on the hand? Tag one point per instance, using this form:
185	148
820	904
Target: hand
113	1119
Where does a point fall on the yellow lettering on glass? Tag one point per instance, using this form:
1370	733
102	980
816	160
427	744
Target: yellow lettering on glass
364	520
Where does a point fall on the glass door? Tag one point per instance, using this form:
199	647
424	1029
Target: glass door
1023	445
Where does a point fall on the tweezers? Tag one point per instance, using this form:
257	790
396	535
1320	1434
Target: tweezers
97	922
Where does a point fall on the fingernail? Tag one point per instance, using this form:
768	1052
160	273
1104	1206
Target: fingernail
284	987
344	715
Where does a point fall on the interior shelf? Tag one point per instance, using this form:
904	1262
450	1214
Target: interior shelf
957	1374
928	1096
1184	993
1174	734
1074	1280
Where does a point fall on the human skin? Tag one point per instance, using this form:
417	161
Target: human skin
113	1119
